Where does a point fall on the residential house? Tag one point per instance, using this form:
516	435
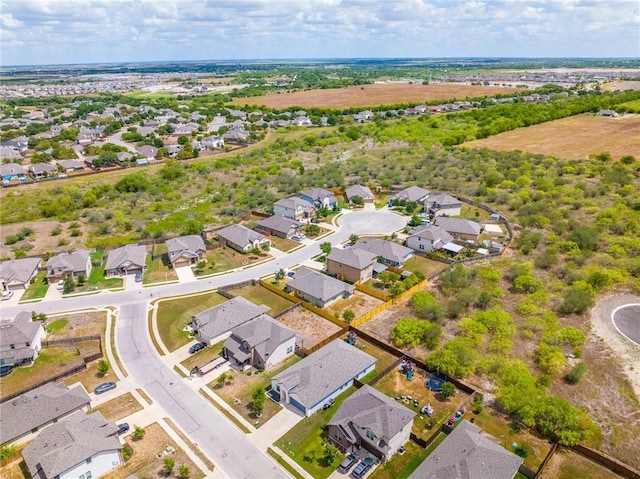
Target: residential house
128	259
318	288
71	165
294	208
428	238
145	130
238	135
351	264
42	170
215	324
261	343
467	452
124	156
186	129
321	376
20	341
443	205
38	408
148	151
10	153
362	191
81	446
242	238
185	250
413	193
12	171
280	226
460	228
69	264
363	116
237	114
212	142
371	420
391	253
320	198
17	274
302	121
21	143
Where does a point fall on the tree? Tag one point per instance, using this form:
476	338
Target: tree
6	451
222	379
448	390
325	247
171	170
138	433
103	368
69	285
257	405
330	453
415	221
312	229
184	472
357	200
279	275
396	290
348	316
411	332
353	239
169	463
425	306
551	359
182	140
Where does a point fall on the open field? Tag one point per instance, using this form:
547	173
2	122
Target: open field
372	95
566	464
573	138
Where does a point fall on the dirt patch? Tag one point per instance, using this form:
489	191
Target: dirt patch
575	137
310	327
41	241
566	464
372	95
359	303
78	324
119	408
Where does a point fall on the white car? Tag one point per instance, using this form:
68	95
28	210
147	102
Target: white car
298	237
60	285
6	295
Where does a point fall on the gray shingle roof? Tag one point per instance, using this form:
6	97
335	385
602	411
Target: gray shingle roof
73	440
321	373
318	194
294	203
368	408
11	169
387	249
19	330
131	254
71	164
187	246
442	200
74	262
18	270
459	226
224	317
413	193
278	223
264	334
40	406
358	190
40	168
318	285
431	232
354	257
240	235
468	454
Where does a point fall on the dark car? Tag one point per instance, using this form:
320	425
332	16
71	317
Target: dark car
122	428
328	404
197	347
347	463
104	387
362	468
4	370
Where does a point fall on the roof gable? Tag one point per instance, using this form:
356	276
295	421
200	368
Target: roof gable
318	285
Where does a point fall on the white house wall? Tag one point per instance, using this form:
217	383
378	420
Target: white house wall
415	243
280	354
100	464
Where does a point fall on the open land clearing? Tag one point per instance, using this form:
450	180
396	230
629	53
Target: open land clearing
372	95
575	137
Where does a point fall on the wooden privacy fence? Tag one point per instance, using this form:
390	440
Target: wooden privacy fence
370	314
372	292
52	379
607	461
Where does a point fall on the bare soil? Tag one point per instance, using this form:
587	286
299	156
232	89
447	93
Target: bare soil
310	327
372	95
41	241
119	408
575	137
359	303
79	324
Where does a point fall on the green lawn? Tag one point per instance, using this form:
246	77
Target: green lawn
284	244
304	442
38	288
97	280
401	466
425	265
175	314
384	358
203	356
159	270
56	326
259	295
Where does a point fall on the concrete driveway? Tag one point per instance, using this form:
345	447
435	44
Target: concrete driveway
185	274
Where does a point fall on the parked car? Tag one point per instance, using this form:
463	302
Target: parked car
298	237
364	466
6	295
122	428
347	463
138	277
104	387
60	285
291	274
328	404
197	347
5	369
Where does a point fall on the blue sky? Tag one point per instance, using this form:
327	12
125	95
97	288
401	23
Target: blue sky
96	31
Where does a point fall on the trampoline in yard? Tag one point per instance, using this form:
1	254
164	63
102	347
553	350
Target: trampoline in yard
435	384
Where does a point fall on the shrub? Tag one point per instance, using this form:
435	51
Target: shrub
169	464
576	373
138	433
184	472
448	390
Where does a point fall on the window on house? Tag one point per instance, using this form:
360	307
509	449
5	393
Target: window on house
421	246
289	349
87	475
13	346
88	461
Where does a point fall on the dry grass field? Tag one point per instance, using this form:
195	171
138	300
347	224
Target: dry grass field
573	138
372	95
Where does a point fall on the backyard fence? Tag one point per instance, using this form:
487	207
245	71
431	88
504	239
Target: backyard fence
79	339
52	379
324	342
372	292
293	307
607	462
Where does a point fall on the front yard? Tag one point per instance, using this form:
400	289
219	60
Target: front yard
159	270
97	280
37	289
204	356
304	443
118	408
225	259
74	325
284	244
238	387
173	315
259	295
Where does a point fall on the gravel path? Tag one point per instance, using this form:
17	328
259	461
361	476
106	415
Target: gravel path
603	326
